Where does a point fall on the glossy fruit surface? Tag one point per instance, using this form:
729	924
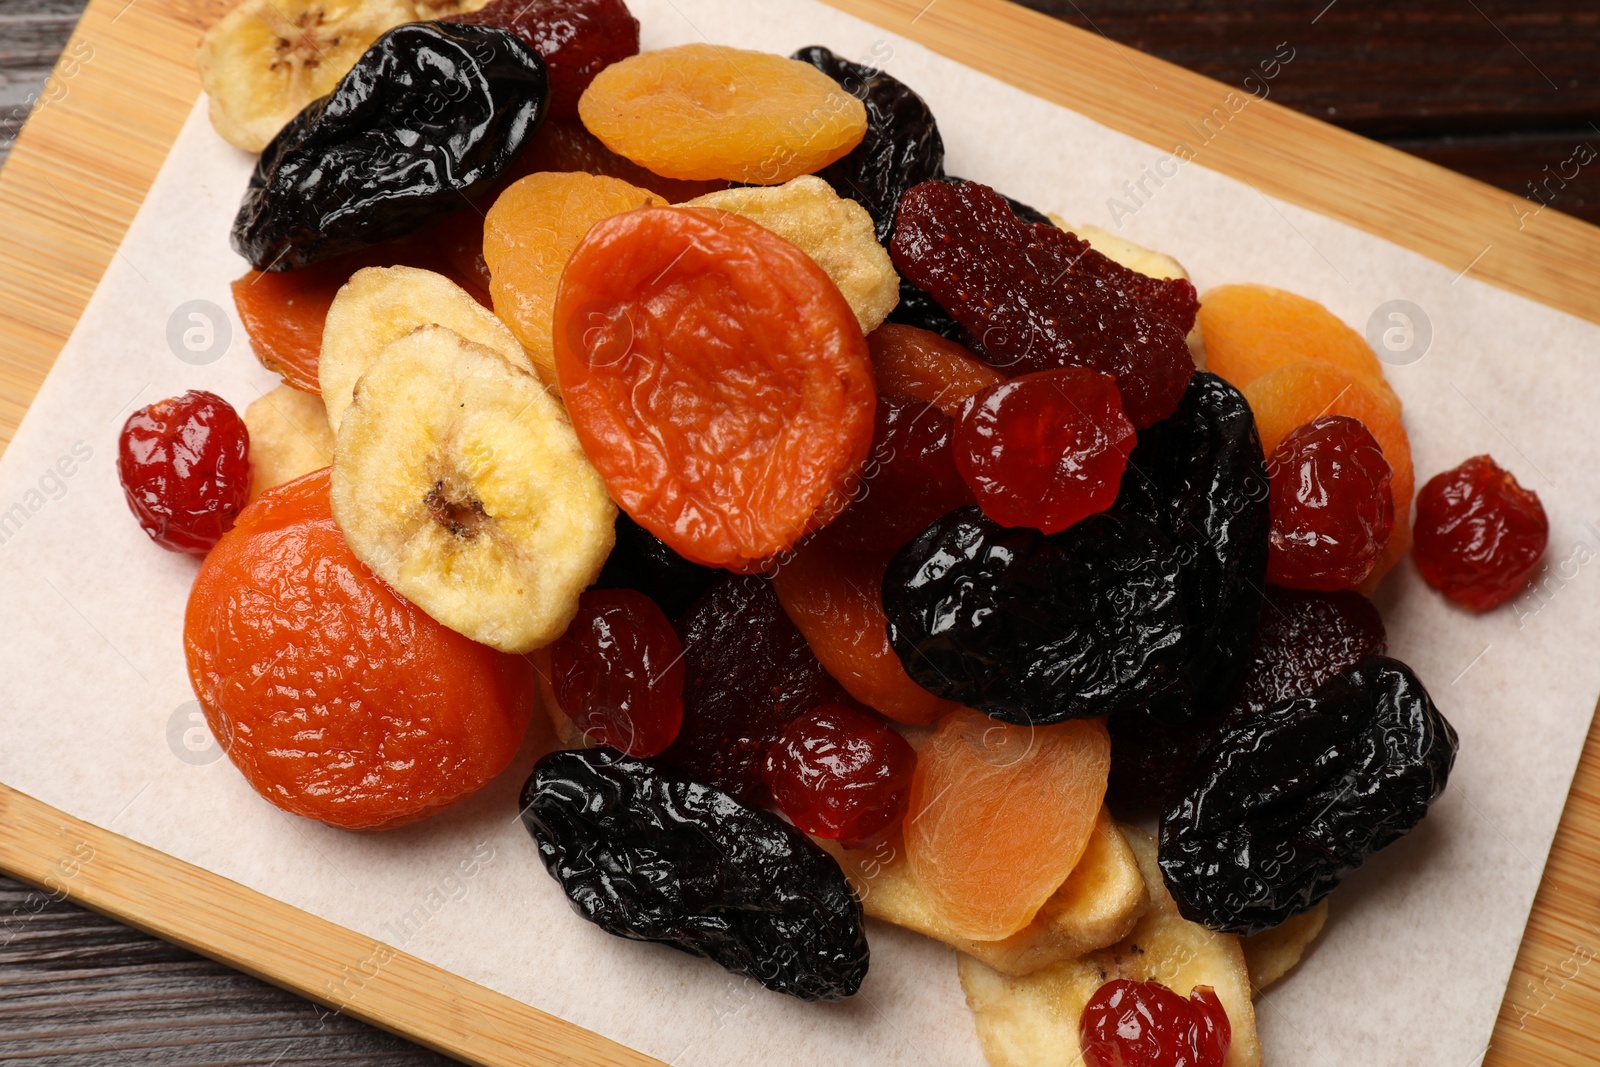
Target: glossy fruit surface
909	479
1000	815
577	39
836	599
566	146
337	699
920	363
1332	505
717	379
1479	533
1145	1024
701	111
618	672
1045	449
841	774
184	464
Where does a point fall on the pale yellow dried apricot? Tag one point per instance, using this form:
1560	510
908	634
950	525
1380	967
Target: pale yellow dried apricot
702	111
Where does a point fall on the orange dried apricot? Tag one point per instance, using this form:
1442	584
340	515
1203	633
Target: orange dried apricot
529	235
1252	329
999	816
336	698
717	380
835	599
1287	398
919	363
701	111
566	146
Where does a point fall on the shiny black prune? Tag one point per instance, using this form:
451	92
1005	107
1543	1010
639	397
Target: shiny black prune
1200	476
747	673
1037	628
902	145
642	561
652	856
1287	803
430	115
1305	638
917	308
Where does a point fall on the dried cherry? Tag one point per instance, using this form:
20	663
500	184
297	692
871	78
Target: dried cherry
184	464
840	773
1145	1024
1332	508
649	855
1287	803
1036	298
618	672
1479	533
429	115
747	673
577	39
1037	628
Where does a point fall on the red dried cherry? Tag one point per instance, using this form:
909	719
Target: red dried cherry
618	672
1332	510
577	39
1046	449
1145	1024
1479	534
908	481
840	773
185	469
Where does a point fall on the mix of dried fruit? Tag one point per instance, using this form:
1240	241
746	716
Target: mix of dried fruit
934	540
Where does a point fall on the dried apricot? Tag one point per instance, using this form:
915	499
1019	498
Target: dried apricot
1253	329
716	378
529	235
566	146
702	111
335	697
835	599
835	232
1000	815
1287	398
919	363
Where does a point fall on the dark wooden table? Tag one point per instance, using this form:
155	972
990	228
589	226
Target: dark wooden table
1506	91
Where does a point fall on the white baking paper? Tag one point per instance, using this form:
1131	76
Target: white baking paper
94	704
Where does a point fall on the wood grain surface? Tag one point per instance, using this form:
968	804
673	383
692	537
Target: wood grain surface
104	994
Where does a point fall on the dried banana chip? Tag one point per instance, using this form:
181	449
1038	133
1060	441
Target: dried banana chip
289	436
1273	953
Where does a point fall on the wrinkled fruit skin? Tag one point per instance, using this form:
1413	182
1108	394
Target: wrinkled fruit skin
648	855
1145	1024
1479	534
1036	628
1036	298
1332	506
902	146
748	673
641	560
184	464
1305	638
840	773
1200	477
618	672
432	114
577	39
1284	806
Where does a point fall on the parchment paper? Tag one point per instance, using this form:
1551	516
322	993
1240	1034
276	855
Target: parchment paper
94	705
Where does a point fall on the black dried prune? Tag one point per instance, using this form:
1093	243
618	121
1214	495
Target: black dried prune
917	308
747	673
652	856
429	116
640	560
1286	804
1200	476
1037	628
1305	638
901	148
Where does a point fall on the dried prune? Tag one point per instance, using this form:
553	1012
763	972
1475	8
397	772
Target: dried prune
431	114
917	308
1037	628
747	673
1305	638
1199	475
1285	805
649	855
902	146
640	560
1035	297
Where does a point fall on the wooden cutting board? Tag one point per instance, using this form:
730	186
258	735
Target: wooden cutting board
88	155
